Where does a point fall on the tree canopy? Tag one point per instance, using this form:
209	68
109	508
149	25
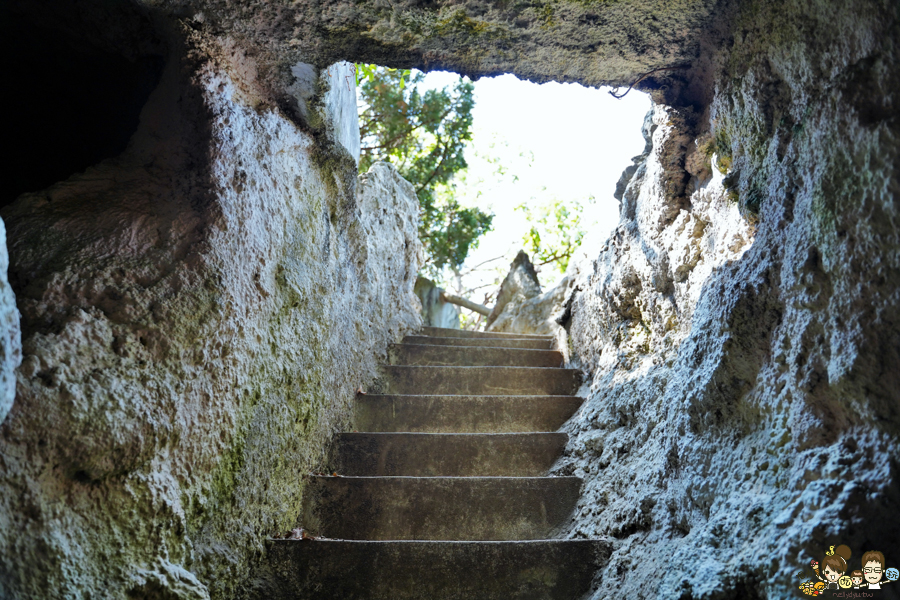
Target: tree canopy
556	231
424	136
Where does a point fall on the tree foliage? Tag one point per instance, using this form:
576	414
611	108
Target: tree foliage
556	232
424	135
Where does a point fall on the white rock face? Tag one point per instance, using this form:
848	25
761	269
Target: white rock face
532	315
10	335
520	306
741	341
197	314
340	106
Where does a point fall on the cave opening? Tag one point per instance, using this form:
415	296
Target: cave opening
546	160
70	102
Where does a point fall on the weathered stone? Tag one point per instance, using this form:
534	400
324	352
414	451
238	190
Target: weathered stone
412	570
486	342
523	381
436	312
463	414
446	454
520	285
446	486
10	335
438	508
739	330
468	356
595	43
742	339
534	315
197	314
478	335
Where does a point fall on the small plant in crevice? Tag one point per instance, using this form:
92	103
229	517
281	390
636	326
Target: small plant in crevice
718	142
754	200
731	183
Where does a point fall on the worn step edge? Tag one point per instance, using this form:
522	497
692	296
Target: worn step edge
438	508
447	454
535	344
462	356
519	381
462	333
433	570
463	414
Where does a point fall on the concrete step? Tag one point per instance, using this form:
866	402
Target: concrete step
398	570
535	344
447	454
464	414
462	333
438	508
513	381
460	356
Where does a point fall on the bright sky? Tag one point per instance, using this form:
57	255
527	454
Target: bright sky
581	140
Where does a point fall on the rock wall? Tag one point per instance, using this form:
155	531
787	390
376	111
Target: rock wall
592	41
10	336
197	315
197	312
522	307
740	326
742	337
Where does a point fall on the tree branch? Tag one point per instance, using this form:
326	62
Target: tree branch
474	307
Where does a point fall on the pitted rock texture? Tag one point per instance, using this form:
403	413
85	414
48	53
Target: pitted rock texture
741	337
190	309
591	41
594	42
197	314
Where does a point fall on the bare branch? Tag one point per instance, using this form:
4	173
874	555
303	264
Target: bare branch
484	310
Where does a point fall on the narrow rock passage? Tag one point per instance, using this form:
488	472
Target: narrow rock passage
445	496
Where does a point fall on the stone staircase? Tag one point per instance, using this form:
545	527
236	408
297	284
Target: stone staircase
445	495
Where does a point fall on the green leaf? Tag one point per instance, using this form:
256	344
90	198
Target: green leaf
424	134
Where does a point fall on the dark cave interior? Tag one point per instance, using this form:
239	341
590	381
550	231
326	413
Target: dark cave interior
70	103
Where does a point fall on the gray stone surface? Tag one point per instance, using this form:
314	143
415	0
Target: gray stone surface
468	356
449	488
436	312
532	315
197	315
739	329
479	335
340	106
438	508
446	454
463	414
523	381
740	332
10	334
533	570
487	342
569	40
519	286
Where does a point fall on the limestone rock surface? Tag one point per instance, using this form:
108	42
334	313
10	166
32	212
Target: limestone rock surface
519	287
10	335
197	315
739	328
590	41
